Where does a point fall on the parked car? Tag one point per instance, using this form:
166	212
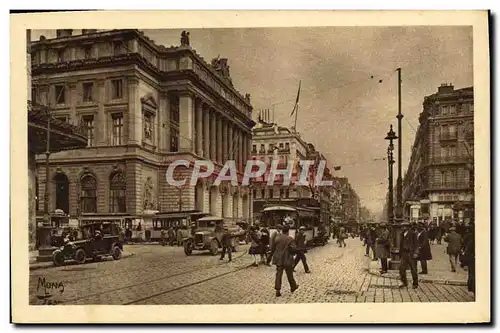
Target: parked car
96	245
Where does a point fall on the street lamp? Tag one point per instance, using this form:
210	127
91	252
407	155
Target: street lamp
391	136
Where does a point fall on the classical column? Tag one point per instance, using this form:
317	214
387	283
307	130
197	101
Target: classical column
186	121
206	132
224	140
199	129
238	149
213	156
219	139
101	132
134	115
245	149
230	140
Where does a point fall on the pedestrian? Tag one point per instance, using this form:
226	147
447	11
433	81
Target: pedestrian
408	250
264	244
439	233
282	253
300	241
254	246
424	252
382	247
370	242
341	237
272	239
469	254
171	235
454	246
226	240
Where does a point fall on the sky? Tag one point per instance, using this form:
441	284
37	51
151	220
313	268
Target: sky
344	109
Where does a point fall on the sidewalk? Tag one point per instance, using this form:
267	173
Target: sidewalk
439	269
34	265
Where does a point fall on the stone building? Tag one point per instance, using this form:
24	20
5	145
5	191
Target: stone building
350	203
273	142
439	182
143	106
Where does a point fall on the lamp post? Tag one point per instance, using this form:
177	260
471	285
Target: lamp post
391	136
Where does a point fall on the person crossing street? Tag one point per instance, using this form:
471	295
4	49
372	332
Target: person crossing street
226	245
282	252
300	240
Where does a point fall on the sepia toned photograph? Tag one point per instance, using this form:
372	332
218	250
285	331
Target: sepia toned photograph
242	166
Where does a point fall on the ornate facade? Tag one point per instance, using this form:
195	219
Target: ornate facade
439	183
272	142
143	106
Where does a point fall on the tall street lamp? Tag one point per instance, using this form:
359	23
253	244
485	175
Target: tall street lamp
391	136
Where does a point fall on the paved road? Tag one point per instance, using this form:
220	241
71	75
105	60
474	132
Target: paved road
164	275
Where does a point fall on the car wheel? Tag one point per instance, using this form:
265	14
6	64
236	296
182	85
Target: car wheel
117	253
214	248
188	248
80	256
58	258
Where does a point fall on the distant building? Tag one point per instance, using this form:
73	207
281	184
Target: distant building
350	205
143	106
273	142
439	182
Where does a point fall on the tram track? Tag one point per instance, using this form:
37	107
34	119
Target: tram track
150	281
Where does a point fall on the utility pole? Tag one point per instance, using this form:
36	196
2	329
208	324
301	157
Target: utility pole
47	171
399	182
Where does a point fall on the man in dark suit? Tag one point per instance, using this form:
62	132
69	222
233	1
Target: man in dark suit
424	252
282	251
300	241
226	240
408	250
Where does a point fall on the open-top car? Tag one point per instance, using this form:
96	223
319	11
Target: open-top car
98	240
207	235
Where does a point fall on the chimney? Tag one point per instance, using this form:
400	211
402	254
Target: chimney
64	33
445	88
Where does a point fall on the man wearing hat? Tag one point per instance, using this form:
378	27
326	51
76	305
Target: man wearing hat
382	247
454	241
300	241
408	250
226	244
424	245
282	252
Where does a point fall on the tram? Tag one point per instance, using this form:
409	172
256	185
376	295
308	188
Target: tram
178	220
294	217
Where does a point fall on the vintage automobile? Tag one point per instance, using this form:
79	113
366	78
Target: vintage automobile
207	235
99	240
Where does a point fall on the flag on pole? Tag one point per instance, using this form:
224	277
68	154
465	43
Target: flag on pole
296	101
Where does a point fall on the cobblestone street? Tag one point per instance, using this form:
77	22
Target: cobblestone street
164	275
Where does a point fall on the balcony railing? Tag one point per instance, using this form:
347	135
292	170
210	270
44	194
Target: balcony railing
450	186
449	159
448	136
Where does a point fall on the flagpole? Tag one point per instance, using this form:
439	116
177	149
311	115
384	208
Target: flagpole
295	123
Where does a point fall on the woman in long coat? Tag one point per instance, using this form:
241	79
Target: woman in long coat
424	247
382	247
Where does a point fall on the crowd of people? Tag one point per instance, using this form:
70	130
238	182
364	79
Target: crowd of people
414	246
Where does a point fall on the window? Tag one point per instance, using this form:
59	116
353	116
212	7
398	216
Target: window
254	193
34	95
117	187
281	146
88	197
282	193
254	149
471	107
60	55
60	92
453	109
88	122
117	129
445	110
117	89
271	193
117	48
87	91
262	193
174	123
148	126
287	146
87	51
62	118
262	148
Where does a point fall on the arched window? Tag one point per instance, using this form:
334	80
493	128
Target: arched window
117	189
88	197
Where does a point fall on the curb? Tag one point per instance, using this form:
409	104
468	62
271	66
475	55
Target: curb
44	265
434	281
